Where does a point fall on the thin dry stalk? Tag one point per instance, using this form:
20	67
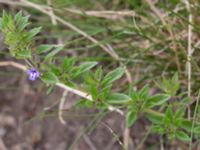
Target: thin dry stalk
51	13
126	137
189	51
13	64
107	14
156	11
61	106
74	91
114	134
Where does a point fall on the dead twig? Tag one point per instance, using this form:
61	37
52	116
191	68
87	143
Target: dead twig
115	135
189	52
107	14
51	13
14	64
61	106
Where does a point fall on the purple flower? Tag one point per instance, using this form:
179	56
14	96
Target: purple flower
33	74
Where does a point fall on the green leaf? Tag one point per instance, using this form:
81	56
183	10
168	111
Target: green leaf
87	66
177	122
156	119
102	106
89	79
117	98
180	112
49	78
24	54
158	129
134	95
94	91
113	75
7	22
21	21
196	130
84	103
170	86
168	116
54	69
105	91
171	135
175	83
131	117
44	48
157	100
98	74
67	64
54	52
187	125
33	32
88	103
183	136
144	92
77	71
18	16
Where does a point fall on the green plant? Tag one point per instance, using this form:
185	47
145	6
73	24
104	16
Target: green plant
168	118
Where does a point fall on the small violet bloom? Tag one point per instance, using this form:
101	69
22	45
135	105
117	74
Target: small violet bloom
33	74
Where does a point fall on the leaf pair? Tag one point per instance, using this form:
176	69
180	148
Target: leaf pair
170	86
140	101
50	76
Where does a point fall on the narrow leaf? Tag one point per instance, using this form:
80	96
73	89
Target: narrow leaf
113	75
117	98
144	92
87	66
44	48
24	54
49	78
183	136
131	117
134	95
158	99
54	52
83	68
33	32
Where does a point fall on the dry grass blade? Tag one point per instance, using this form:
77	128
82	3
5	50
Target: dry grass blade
189	52
61	106
108	14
